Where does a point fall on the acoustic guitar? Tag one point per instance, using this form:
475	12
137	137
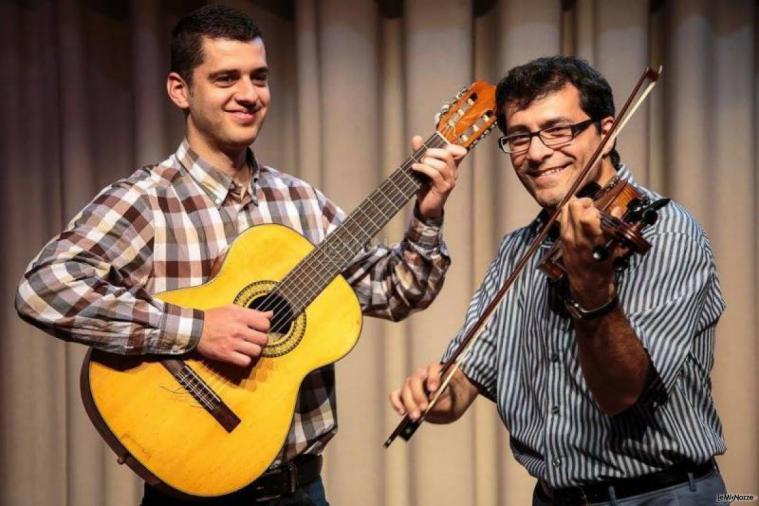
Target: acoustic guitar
196	427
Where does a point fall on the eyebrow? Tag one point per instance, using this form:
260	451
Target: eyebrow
545	124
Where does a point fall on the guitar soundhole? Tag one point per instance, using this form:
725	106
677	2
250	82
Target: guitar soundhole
282	320
287	330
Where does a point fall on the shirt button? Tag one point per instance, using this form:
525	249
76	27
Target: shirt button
555	410
556	462
554	357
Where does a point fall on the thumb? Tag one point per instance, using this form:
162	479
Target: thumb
416	142
433	383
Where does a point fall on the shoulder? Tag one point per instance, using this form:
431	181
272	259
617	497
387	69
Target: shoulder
140	191
680	247
676	222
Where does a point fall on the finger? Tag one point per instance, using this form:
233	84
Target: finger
566	229
417	389
435	176
395	402
433	377
255	337
247	348
239	359
416	143
438	163
442	154
587	220
410	405
258	320
457	151
575	209
590	224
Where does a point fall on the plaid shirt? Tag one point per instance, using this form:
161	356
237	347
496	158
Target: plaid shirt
165	226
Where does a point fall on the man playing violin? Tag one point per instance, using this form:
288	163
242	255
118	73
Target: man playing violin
605	393
167	225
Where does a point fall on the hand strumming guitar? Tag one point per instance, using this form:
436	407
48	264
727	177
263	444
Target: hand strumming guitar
234	334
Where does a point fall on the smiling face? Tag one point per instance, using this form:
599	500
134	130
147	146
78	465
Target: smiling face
228	98
548	173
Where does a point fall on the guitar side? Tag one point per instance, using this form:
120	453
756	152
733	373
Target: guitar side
165	435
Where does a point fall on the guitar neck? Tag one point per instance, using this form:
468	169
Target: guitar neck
334	254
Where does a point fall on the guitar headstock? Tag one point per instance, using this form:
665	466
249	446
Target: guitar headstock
471	115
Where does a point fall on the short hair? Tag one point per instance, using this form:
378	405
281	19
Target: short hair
543	76
213	21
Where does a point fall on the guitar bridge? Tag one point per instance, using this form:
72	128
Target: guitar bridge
201	392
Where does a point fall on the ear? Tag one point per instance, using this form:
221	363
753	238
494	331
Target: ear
178	90
606	124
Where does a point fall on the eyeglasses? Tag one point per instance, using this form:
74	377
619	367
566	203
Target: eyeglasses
552	137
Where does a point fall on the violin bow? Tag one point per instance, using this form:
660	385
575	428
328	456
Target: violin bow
407	427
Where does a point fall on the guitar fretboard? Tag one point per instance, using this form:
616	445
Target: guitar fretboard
334	254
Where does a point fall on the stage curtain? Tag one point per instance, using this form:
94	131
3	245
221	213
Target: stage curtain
82	103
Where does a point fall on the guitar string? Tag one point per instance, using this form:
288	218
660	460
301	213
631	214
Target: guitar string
335	252
404	182
303	273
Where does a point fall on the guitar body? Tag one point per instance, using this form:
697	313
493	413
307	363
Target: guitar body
157	427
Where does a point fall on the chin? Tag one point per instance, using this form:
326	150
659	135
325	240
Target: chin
242	140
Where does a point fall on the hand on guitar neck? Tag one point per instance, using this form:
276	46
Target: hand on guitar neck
234	334
440	165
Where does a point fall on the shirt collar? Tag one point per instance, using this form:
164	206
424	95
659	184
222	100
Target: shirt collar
216	183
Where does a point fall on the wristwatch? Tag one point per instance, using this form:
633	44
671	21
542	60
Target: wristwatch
578	312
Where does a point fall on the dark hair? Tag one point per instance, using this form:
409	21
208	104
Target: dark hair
538	78
214	21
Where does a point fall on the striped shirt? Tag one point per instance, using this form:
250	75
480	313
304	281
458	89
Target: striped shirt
165	226
526	360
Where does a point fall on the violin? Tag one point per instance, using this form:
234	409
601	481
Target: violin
638	212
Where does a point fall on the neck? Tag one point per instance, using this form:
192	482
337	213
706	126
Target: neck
230	160
605	172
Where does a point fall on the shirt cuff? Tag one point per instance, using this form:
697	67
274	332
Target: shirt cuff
180	329
425	233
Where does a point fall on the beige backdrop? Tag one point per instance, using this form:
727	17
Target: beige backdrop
82	103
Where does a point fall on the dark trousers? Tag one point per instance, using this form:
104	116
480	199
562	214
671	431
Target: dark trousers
694	492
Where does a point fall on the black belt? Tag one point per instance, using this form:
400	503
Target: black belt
289	477
625	487
282	481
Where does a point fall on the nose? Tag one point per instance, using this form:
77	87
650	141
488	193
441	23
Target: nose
537	150
247	91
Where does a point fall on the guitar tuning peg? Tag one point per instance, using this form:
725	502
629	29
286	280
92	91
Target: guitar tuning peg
443	110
